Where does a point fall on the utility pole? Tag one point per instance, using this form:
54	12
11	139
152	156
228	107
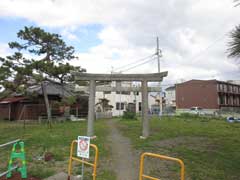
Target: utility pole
159	54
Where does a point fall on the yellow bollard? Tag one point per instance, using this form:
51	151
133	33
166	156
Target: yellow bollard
142	175
94	164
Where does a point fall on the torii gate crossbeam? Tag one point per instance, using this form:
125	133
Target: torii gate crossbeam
144	78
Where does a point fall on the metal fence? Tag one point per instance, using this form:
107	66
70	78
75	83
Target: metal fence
4	145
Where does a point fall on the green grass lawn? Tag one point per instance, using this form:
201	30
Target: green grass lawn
39	139
210	148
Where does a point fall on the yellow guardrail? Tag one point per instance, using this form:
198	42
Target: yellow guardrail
142	175
94	164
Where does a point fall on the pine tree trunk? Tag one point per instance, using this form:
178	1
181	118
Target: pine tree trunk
49	115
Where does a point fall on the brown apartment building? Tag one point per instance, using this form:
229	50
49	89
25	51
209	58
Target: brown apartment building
210	95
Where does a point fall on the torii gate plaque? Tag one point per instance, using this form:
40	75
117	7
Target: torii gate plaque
143	78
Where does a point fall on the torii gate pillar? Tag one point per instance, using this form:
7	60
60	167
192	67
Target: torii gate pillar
145	119
91	108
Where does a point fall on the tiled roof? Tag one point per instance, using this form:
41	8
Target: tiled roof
11	100
52	89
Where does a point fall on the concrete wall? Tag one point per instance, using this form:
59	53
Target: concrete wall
203	111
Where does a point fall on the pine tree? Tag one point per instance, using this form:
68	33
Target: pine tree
234	44
48	63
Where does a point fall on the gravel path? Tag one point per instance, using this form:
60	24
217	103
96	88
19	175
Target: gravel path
125	161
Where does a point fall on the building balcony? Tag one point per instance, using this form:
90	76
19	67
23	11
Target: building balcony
229	105
229	92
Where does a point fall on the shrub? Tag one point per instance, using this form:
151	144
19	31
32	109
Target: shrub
189	115
129	115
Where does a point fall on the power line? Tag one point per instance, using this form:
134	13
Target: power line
196	56
138	65
137	61
142	59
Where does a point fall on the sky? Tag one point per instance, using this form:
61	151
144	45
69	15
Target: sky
111	35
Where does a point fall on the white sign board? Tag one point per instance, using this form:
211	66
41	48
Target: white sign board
83	146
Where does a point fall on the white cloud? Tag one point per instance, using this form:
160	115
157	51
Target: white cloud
4	50
185	28
61	12
66	32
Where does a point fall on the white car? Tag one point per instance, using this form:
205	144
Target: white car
196	110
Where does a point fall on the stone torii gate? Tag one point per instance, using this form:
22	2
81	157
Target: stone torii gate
143	78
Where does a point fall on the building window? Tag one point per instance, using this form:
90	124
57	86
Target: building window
119	106
234	101
229	102
233	88
139	106
225	87
123	92
222	99
219	87
122	106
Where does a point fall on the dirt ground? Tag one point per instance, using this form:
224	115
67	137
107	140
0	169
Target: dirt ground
125	160
17	176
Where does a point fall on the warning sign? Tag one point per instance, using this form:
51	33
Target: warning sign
83	146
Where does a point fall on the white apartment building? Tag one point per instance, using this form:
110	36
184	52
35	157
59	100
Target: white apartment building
120	101
170	96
